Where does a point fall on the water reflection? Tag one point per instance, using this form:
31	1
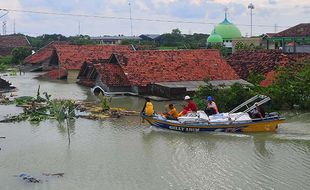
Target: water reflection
260	145
62	127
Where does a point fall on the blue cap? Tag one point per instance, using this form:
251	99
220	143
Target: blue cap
210	98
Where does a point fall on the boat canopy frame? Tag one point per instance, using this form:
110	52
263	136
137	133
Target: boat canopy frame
263	99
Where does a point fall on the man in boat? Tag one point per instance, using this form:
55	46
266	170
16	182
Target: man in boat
257	112
172	114
211	108
148	108
190	107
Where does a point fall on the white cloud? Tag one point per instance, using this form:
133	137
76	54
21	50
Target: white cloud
266	12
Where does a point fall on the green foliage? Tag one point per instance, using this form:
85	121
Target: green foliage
221	48
80	40
226	98
62	109
19	54
290	90
43	40
241	46
3	67
291	87
104	103
177	40
24	100
255	78
40	41
5	61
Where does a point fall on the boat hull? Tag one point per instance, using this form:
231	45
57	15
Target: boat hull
266	125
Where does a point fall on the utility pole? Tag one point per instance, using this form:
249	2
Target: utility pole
4	27
129	3
275	28
79	28
14	27
251	7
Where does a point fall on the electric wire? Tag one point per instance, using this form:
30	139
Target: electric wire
127	18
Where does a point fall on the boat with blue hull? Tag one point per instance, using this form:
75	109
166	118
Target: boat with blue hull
225	122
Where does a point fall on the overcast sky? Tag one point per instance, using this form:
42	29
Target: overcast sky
267	12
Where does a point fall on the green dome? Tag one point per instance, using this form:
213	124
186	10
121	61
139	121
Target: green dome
215	38
227	30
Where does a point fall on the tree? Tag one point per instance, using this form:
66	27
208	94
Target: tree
19	54
176	32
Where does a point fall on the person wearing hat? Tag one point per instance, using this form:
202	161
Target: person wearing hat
190	107
211	108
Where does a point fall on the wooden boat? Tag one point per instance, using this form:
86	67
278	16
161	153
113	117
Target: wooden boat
224	122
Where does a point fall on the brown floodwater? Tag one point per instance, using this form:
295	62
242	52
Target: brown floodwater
121	154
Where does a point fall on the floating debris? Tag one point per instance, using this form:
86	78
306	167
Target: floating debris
54	174
28	178
37	109
5	86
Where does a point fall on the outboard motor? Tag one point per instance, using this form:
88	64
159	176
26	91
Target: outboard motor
273	114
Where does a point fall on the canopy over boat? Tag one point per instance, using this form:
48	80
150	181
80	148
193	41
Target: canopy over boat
223	122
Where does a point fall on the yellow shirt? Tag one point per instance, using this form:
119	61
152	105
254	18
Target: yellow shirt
173	112
149	109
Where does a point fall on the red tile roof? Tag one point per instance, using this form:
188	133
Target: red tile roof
270	35
300	30
269	78
42	54
145	67
55	74
9	42
262	62
112	74
73	56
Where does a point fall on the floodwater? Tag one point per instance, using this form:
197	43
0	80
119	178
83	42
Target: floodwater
121	154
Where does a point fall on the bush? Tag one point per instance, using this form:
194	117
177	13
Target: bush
5	61
19	54
226	98
290	90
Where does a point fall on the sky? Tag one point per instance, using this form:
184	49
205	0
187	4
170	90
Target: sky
283	13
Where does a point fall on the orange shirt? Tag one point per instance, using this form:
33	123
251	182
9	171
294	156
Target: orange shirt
173	112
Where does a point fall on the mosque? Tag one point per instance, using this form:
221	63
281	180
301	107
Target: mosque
224	33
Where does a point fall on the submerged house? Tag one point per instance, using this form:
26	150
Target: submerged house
264	62
41	59
168	74
9	42
63	60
